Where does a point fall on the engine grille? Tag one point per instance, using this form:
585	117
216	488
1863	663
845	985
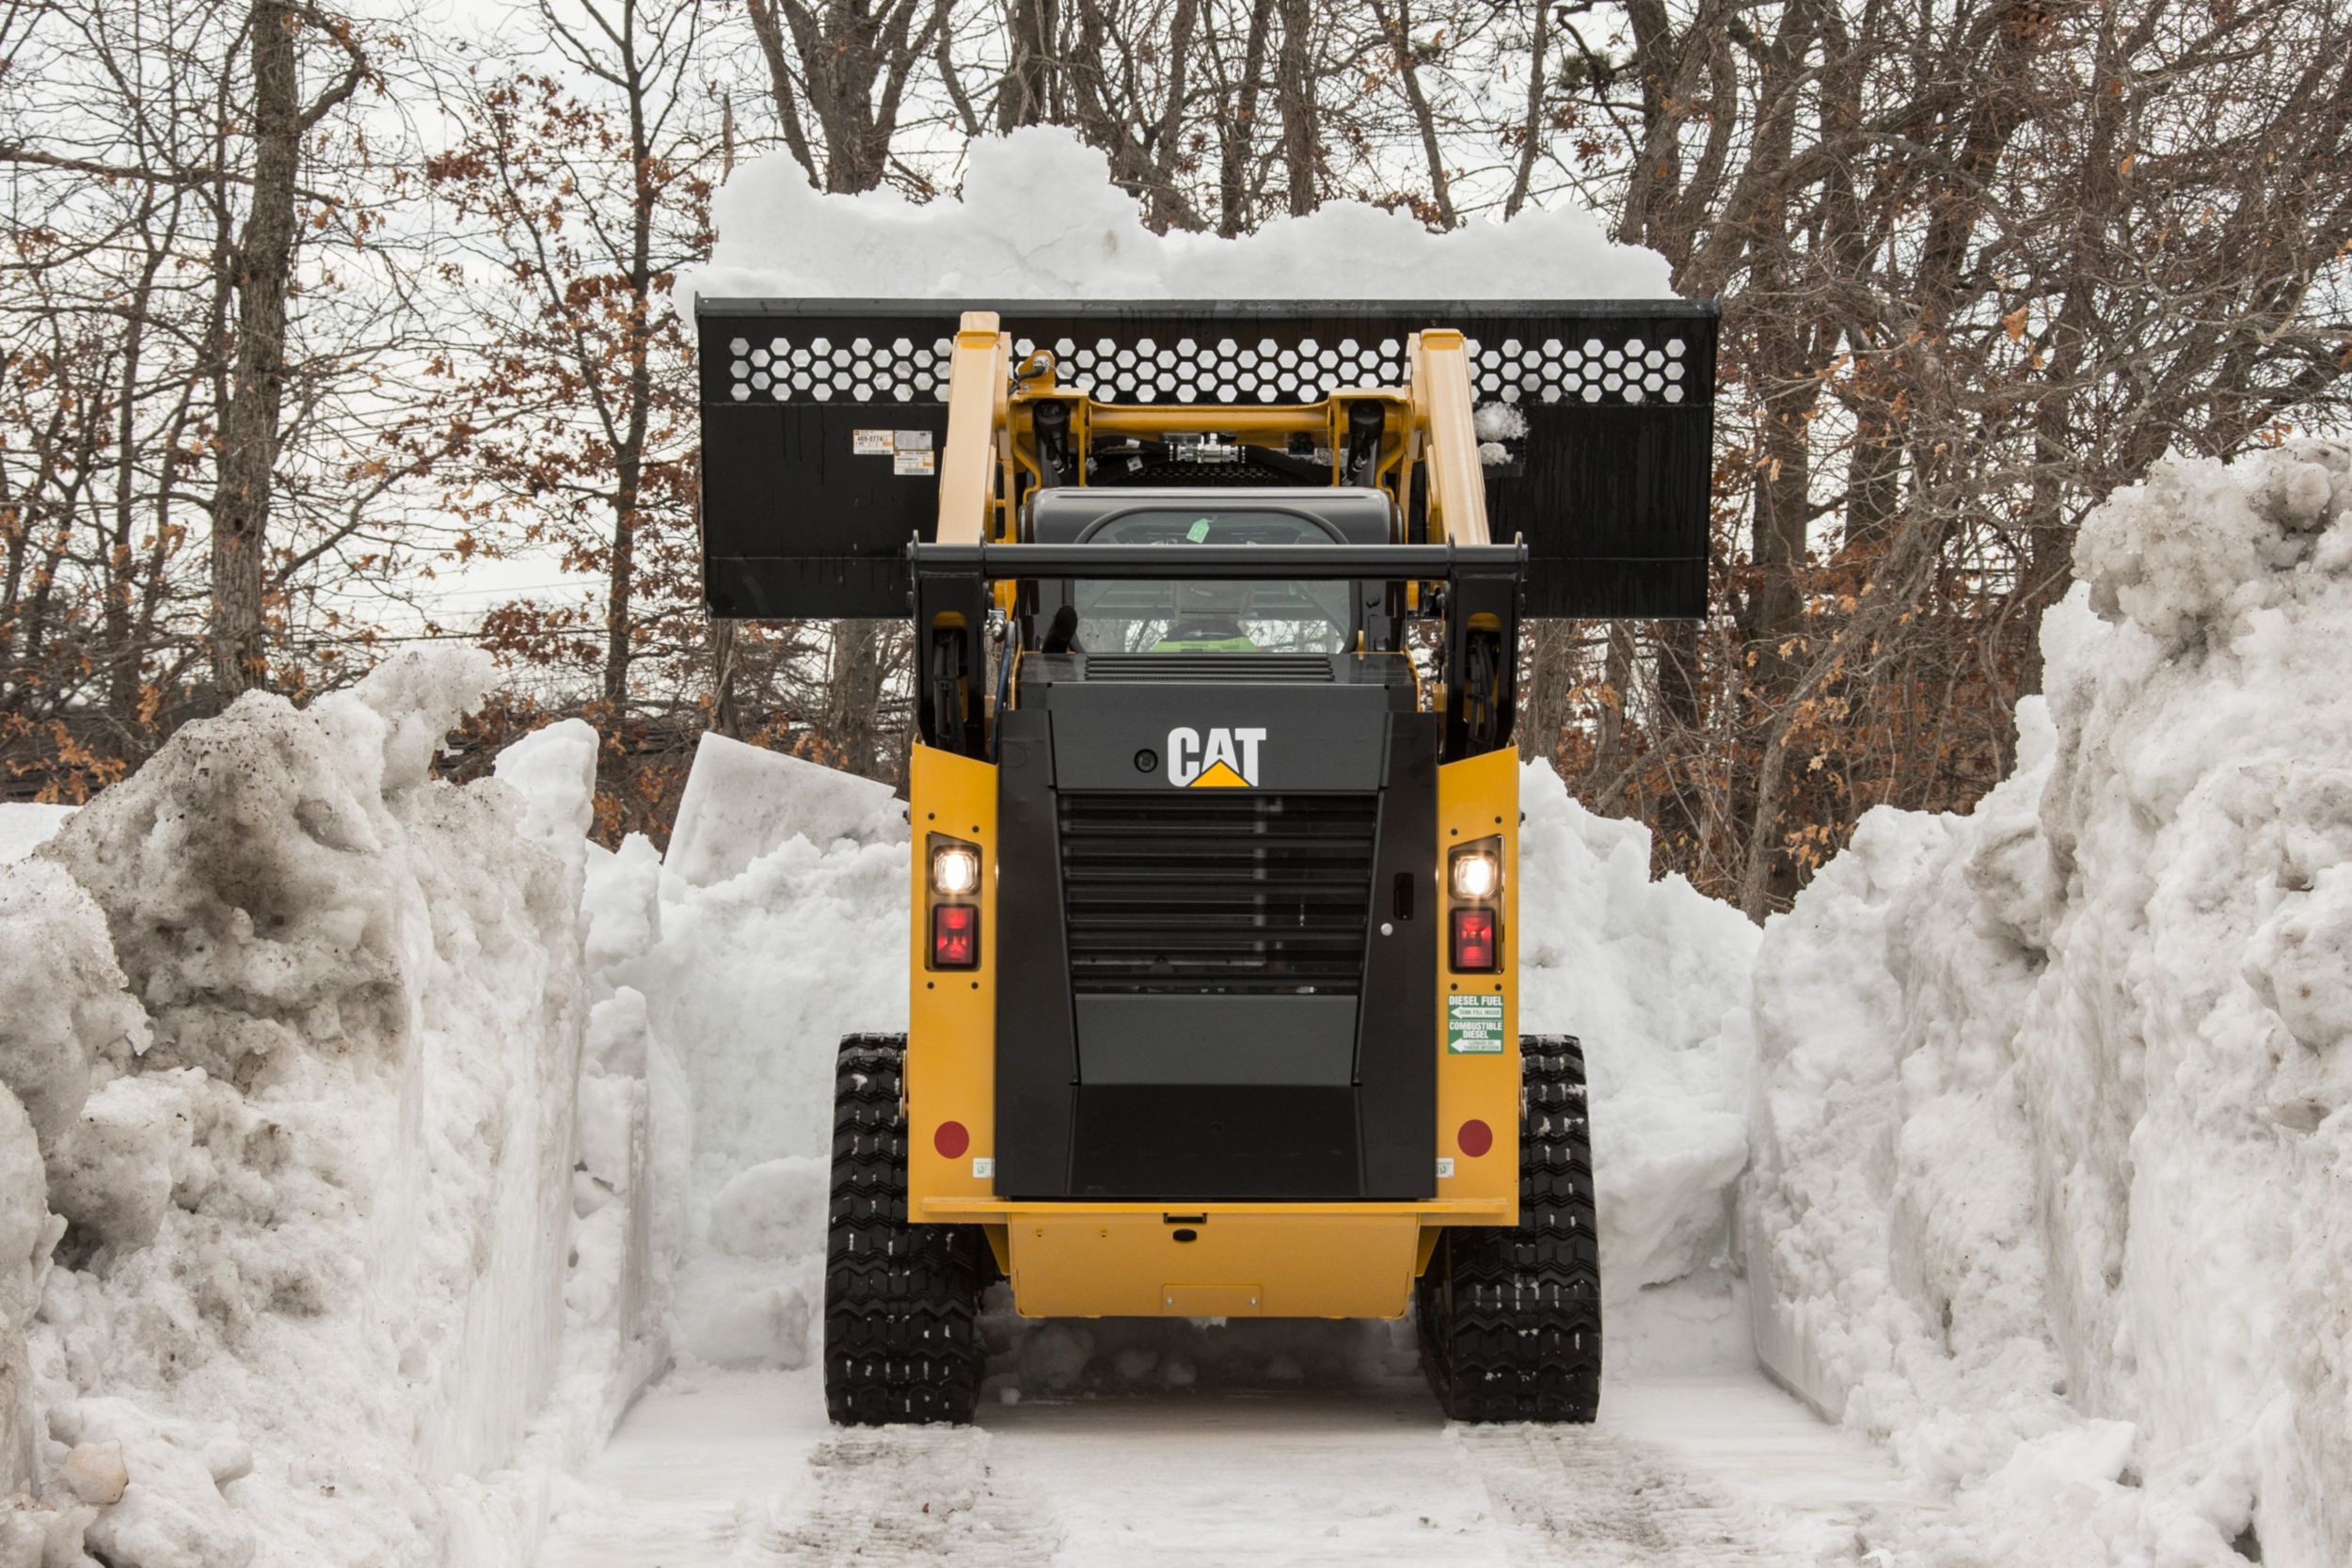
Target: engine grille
1194	669
1217	891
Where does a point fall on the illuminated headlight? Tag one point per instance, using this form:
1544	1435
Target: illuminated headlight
955	870
1476	874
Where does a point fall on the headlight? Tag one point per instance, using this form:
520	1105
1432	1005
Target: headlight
1476	874
955	870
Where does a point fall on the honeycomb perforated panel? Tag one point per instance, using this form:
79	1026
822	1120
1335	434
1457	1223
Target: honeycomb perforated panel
1617	366
820	417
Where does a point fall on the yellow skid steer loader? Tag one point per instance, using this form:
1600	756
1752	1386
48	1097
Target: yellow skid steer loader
1215	806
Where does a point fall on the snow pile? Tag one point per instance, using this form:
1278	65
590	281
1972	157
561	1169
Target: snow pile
1642	972
287	1151
1038	218
737	987
2053	1160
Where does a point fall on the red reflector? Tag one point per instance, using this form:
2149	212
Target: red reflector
955	936
951	1140
1474	939
1475	1138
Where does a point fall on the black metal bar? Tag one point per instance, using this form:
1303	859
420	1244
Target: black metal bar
1224	562
1015	312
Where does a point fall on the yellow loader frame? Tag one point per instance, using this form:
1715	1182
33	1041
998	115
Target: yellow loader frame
1082	1258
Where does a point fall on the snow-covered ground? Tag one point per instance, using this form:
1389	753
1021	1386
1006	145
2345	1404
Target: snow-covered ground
738	1469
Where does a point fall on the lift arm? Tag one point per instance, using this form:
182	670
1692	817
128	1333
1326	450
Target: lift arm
1446	436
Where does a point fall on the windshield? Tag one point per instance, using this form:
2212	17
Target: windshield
1256	616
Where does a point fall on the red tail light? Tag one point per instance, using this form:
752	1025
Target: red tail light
1474	939
955	936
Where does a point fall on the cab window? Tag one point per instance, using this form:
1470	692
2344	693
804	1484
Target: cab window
1208	615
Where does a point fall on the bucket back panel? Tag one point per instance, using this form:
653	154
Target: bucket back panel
821	419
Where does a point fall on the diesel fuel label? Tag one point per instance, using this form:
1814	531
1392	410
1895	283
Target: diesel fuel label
1473	1025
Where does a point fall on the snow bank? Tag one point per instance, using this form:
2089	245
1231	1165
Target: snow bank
2053	1156
748	981
1038	218
299	1030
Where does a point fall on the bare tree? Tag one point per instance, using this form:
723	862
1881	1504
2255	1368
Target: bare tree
265	270
583	194
199	452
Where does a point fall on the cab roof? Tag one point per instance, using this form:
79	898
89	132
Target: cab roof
1067	515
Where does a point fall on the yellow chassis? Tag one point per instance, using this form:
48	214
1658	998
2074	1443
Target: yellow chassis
1087	1259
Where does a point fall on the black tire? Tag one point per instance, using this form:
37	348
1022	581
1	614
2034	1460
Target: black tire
901	1301
1510	1320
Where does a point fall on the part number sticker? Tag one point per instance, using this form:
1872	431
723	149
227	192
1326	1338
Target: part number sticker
873	443
912	463
1473	1025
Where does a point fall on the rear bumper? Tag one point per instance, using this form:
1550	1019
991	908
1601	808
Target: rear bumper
1212	1259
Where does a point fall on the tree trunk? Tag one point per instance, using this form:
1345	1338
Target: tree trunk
1024	95
1551	661
1400	31
854	689
629	458
1532	127
1608	776
1237	123
1295	93
726	715
249	427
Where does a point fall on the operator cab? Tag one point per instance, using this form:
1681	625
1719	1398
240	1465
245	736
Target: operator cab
1259	629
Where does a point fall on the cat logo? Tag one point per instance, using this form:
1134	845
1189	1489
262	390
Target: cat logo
1228	759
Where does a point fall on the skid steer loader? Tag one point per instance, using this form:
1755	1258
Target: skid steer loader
1215	806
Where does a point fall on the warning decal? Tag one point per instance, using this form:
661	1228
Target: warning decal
1473	1025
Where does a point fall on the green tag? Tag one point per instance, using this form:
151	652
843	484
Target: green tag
1198	531
1473	1025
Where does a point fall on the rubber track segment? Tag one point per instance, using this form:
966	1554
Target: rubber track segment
901	1301
1510	1320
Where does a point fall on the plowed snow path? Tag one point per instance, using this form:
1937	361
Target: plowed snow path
740	1472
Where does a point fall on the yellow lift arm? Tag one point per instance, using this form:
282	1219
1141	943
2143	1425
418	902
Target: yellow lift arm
992	440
